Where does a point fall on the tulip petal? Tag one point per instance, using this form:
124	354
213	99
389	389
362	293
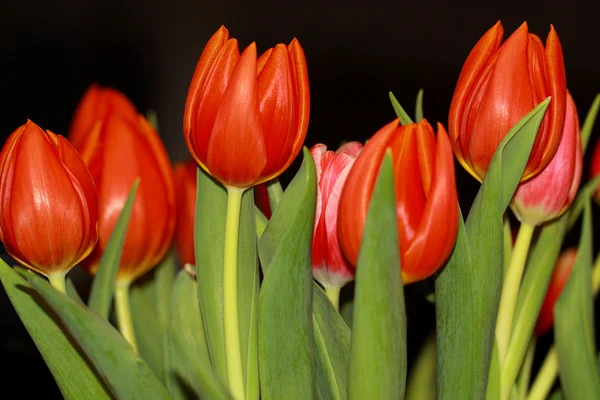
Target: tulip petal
437	231
426	153
237	133
185	190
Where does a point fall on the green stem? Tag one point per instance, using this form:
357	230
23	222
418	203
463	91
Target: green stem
545	378
334	295
123	308
58	280
510	289
525	374
233	352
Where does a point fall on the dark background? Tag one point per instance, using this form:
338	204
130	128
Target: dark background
356	52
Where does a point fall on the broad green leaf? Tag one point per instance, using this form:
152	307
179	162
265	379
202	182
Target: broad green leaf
539	267
468	289
332	348
588	124
400	113
260	221
75	376
493	390
574	323
209	239
584	194
556	395
275	192
188	372
285	328
421	379
378	346
419	106
150	297
103	285
125	374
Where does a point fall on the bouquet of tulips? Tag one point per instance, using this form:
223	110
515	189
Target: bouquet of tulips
212	281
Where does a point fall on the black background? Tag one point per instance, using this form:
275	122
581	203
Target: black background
356	52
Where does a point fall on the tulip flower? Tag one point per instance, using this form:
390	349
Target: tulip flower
426	198
246	118
48	202
550	193
560	276
185	194
117	153
498	85
329	265
96	105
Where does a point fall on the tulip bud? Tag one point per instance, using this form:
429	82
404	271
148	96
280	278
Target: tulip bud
118	152
246	118
426	197
498	85
329	265
185	194
550	193
560	276
48	202
97	104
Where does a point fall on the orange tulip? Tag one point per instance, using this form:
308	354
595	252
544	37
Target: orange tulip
498	85
550	193
48	202
97	104
329	265
246	118
560	276
117	153
426	197
185	193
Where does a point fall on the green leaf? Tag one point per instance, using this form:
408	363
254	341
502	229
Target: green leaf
127	376
285	331
72	291
402	115
468	289
275	192
188	372
419	106
260	221
574	323
150	298
421	380
378	347
540	264
209	239
332	348
346	311
74	375
584	194
103	285
588	124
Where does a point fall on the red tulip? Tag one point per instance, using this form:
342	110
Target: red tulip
185	193
329	265
426	198
560	276
261	199
550	193
97	104
117	153
246	118
498	85
48	202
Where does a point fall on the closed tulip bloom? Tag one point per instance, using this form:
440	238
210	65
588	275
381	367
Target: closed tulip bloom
560	276
550	193
48	202
426	197
329	265
124	149
185	194
246	118
499	84
97	104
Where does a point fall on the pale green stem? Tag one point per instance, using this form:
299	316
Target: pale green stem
233	352
334	295
123	308
58	280
525	374
510	289
545	378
